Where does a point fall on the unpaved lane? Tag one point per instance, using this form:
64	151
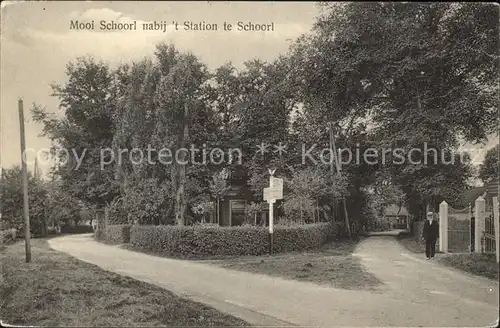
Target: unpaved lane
411	277
271	301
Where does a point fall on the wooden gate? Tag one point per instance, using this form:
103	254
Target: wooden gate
459	230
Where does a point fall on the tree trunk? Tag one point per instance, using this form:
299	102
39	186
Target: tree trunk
218	210
181	192
44	227
317	210
334	154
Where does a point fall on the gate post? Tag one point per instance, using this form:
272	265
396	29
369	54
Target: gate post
496	219
479	216
443	227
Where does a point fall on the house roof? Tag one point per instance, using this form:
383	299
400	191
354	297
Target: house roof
393	210
492	188
468	196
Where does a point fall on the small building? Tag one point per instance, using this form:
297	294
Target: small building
397	217
233	206
492	190
468	197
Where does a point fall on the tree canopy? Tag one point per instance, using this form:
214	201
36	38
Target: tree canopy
386	76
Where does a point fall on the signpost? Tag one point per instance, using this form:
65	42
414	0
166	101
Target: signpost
271	194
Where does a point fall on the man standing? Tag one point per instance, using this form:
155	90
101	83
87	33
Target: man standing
430	234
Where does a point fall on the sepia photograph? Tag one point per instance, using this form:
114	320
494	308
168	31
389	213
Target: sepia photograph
232	163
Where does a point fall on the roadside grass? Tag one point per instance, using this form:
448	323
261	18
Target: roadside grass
333	265
411	244
58	290
475	263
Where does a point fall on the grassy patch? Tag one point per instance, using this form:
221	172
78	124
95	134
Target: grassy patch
479	264
58	290
412	245
332	265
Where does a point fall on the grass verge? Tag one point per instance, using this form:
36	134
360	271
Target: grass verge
333	265
58	290
475	263
411	244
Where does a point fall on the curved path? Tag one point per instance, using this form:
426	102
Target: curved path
414	293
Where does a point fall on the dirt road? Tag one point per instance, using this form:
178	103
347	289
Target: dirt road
414	293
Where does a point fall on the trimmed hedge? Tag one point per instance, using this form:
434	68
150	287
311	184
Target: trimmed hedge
196	241
77	229
117	234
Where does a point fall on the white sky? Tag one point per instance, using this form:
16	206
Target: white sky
36	44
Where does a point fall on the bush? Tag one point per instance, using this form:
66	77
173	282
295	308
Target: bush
8	236
77	229
201	240
117	234
417	228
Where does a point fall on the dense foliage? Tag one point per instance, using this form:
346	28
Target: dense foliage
12	202
407	76
490	169
117	234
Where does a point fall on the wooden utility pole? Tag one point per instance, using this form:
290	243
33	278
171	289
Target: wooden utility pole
27	236
337	165
2	193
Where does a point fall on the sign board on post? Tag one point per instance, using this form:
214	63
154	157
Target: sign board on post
276	183
271	194
275	189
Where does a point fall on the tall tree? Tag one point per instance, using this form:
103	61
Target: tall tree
179	100
489	170
84	130
412	71
12	196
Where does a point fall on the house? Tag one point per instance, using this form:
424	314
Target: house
492	190
233	206
468	197
397	217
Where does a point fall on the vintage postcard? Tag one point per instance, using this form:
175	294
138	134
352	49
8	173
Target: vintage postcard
199	163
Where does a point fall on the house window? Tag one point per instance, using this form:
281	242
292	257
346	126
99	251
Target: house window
237	212
262	219
210	215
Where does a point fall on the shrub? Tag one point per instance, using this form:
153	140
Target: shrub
8	236
117	234
77	229
417	229
202	240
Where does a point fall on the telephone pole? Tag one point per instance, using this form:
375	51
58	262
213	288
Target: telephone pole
27	236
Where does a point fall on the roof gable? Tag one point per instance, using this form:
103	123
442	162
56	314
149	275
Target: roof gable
468	196
393	210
